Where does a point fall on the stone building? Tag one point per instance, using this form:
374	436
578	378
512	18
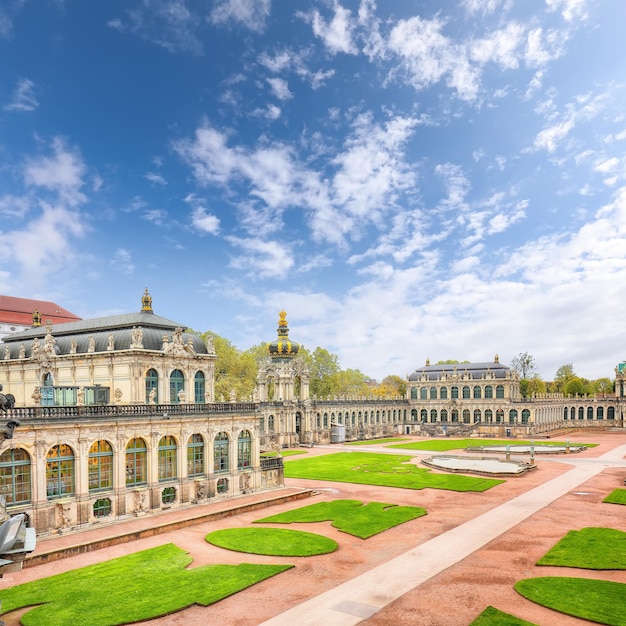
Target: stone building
117	419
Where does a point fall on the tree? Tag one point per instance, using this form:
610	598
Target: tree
523	364
563	374
323	366
392	385
535	386
349	383
451	362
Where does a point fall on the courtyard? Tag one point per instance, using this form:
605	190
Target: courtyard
456	595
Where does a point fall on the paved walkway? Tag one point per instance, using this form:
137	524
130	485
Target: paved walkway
363	596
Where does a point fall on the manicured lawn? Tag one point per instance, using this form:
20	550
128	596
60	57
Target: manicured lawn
599	601
589	548
493	617
133	588
283	453
350	516
272	541
374	442
385	470
617	496
442	445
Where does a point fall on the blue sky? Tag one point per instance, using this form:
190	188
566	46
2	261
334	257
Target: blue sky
407	181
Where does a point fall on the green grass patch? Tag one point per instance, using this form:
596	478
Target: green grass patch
493	617
443	445
133	588
272	541
599	601
374	442
589	548
618	496
350	516
384	470
282	453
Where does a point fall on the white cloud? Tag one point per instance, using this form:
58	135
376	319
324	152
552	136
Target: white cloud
156	216
156	179
271	112
122	262
280	88
607	165
15	206
204	221
23	97
262	258
570	9
61	173
337	33
251	14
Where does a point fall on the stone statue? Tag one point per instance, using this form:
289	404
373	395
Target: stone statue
181	396
152	396
22	351
92	345
7	353
118	395
73	346
111	345
36	396
80	395
136	338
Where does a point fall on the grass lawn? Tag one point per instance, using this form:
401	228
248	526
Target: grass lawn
443	445
272	541
589	548
617	496
133	588
599	601
385	470
283	453
350	516
374	442
493	617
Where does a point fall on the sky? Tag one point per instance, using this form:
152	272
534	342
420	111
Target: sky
408	180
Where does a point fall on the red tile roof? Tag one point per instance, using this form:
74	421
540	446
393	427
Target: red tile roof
20	311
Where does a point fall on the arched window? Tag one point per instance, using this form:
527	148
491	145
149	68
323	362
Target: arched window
198	388
413	393
195	455
581	413
454	415
512	416
433	416
433	393
136	462
100	466
325	420
500	416
466	393
500	392
525	416
177	383
413	415
167	458
424	415
610	413
476	415
443	393
378	417
477	392
454	393
600	413
60	471
15	476
270	423
423	393
488	415
444	415
168	495
102	508
488	392
466	416
244	450
589	412
152	382
222	485
572	413
353	419
220	453
565	413
47	391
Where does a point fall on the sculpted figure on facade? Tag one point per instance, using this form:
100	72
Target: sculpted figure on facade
36	396
22	351
80	396
111	344
7	353
136	338
152	395
182	396
92	345
73	346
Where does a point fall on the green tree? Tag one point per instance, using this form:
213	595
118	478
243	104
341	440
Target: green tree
563	374
323	366
574	386
391	385
523	364
602	386
349	382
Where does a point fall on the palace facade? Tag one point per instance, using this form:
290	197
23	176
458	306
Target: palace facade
117	417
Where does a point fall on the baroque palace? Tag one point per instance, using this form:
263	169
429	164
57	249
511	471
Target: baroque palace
116	417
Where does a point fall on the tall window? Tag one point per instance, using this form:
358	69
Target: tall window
488	391
413	393
466	393
47	391
433	393
477	391
195	455
152	382
15	476
136	462
466	416
177	383
512	416
500	392
423	393
444	415
454	393
443	393
198	388
488	415
270	424
423	415
220	452
525	416
433	415
167	458
476	415
244	450
60	471
100	466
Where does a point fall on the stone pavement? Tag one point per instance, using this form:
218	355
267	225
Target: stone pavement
364	595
